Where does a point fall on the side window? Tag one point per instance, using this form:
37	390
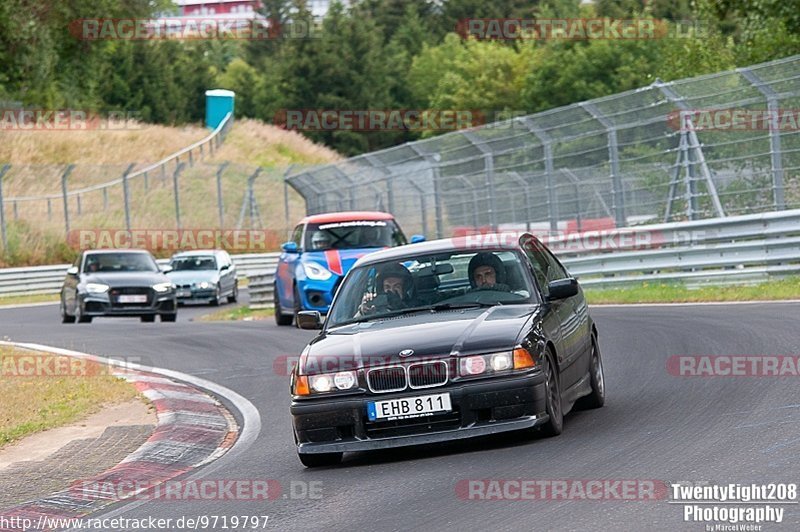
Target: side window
539	263
556	271
297	235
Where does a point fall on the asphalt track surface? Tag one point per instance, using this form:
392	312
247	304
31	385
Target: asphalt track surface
654	425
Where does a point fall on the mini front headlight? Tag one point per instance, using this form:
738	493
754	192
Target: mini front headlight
162	287
204	285
315	272
96	288
344	380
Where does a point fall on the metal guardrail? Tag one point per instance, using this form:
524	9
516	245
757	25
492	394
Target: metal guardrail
724	250
48	279
261	289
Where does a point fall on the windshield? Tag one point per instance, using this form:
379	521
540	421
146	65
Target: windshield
194	263
119	262
354	234
431	283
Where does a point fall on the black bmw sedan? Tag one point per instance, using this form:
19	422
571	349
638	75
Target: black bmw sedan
445	340
117	282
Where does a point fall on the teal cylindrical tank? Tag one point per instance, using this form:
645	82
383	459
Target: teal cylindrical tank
219	102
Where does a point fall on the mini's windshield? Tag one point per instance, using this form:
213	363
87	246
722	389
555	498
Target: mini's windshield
119	262
354	234
194	263
431	283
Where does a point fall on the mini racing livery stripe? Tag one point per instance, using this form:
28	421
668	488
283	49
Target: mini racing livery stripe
334	261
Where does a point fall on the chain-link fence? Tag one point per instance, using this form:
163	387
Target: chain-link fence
712	146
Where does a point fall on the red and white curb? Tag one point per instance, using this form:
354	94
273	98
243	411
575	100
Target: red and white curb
193	430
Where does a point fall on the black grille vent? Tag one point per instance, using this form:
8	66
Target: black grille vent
427	374
387	379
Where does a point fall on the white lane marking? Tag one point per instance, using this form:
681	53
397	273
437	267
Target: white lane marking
693	304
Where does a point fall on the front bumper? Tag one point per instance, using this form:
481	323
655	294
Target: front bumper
481	408
100	305
197	295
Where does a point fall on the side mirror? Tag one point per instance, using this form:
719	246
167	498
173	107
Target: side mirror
309	319
166	268
225	267
72	270
417	238
289	247
562	289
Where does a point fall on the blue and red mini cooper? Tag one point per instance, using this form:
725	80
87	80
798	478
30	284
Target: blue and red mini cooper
323	249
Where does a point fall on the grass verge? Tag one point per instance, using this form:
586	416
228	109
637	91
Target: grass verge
239	314
40	391
23	299
788	288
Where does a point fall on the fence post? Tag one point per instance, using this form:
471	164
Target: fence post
220	206
49	210
175	175
78	201
286	220
64	177
3	172
774	136
125	196
549	173
617	190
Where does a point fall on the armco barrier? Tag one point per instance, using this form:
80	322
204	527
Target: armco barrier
723	250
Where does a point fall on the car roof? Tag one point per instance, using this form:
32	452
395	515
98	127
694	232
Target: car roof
346	216
485	242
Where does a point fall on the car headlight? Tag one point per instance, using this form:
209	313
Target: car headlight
325	382
96	288
501	362
205	285
315	272
162	287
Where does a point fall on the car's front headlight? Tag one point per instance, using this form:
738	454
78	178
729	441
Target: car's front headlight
501	362
162	287
315	272
325	382
96	288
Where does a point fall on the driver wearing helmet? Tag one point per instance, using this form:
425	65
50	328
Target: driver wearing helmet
320	241
394	291
486	272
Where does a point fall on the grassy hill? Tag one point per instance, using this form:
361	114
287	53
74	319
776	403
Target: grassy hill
36	229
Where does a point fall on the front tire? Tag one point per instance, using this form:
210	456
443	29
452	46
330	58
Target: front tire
149	318
215	301
169	318
79	317
65	318
235	294
320	460
554	425
597	398
280	318
297	307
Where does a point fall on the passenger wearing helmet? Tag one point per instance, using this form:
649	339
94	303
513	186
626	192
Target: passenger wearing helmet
486	272
320	241
394	290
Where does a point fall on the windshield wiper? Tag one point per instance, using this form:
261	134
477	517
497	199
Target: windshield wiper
473	304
